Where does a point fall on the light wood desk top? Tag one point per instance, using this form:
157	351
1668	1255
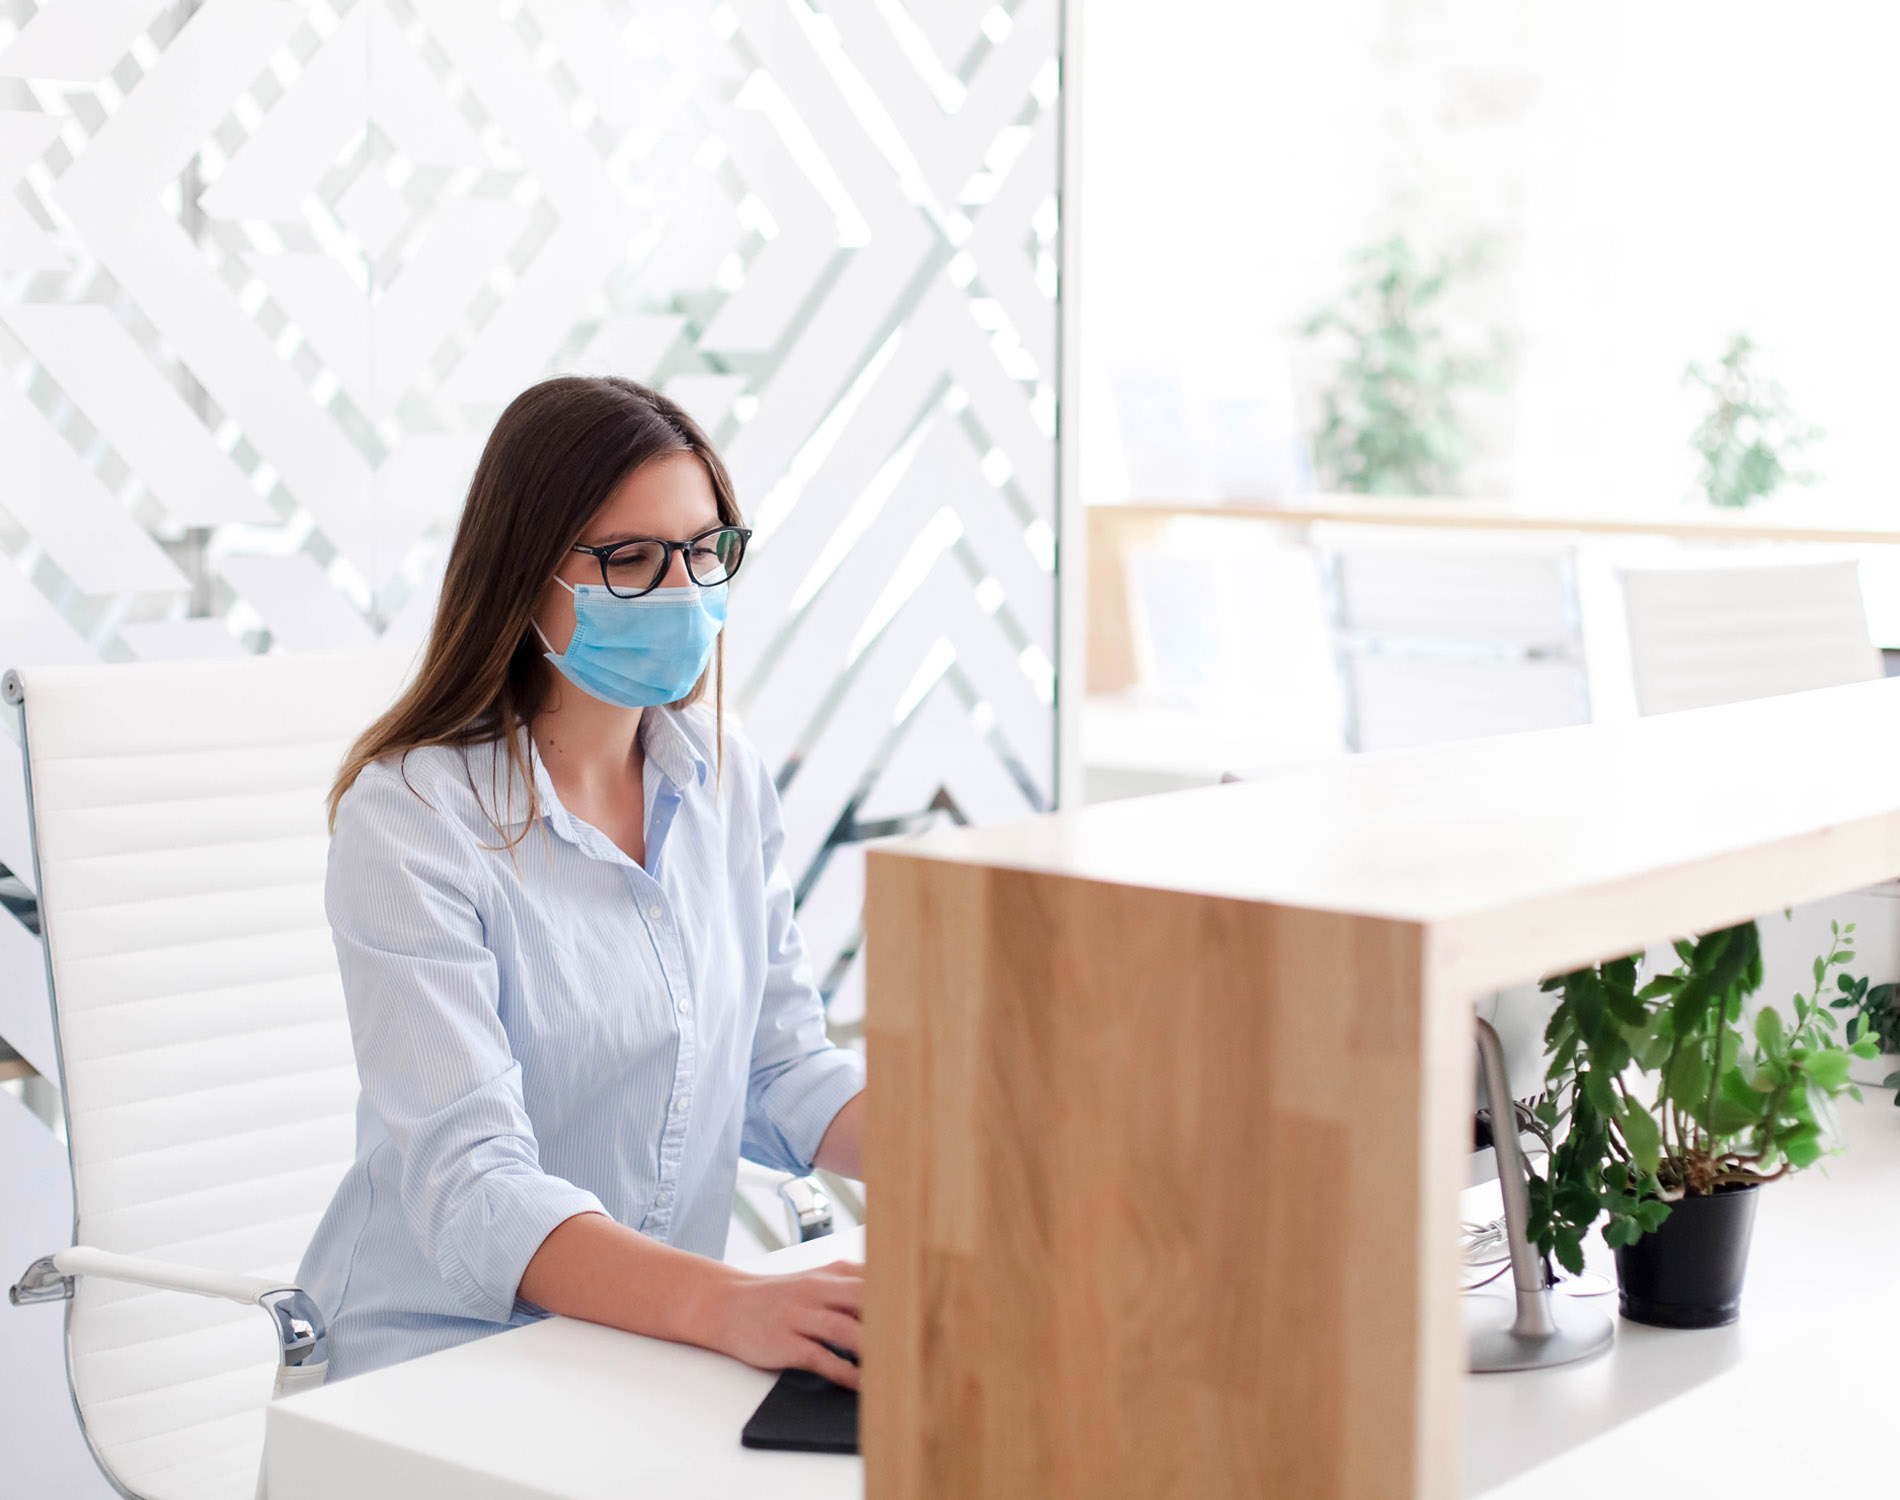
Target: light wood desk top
1140	984
1523	853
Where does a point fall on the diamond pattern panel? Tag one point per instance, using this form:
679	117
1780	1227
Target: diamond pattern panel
269	269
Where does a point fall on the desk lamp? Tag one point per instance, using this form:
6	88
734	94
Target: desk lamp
1536	1330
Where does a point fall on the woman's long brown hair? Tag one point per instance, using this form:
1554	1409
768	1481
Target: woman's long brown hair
554	457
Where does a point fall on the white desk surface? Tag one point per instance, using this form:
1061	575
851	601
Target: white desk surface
1793	1400
559	1410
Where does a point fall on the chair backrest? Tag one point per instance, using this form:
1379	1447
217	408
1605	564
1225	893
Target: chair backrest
1403	701
180	837
1401	585
1700	636
1453	635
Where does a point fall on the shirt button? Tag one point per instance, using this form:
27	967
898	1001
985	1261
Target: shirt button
680	1104
654	913
662	1198
686	1006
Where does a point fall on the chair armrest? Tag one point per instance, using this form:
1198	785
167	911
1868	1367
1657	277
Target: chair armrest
809	1206
303	1345
83	1260
805	1200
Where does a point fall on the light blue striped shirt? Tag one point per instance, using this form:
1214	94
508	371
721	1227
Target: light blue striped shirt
558	1032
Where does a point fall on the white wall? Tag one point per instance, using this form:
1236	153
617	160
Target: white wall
1647	179
1211	225
1700	167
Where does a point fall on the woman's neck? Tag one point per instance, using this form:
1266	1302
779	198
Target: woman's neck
590	748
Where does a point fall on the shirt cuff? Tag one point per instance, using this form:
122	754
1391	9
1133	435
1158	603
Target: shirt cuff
798	1107
487	1247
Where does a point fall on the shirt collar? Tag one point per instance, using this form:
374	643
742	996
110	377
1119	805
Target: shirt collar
672	749
668	747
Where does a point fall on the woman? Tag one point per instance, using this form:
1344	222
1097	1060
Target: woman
575	987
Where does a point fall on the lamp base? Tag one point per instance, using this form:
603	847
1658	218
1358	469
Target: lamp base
1580	1332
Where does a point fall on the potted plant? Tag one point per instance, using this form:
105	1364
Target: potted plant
1668	1110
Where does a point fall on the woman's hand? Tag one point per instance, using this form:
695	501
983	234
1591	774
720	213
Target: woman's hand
784	1322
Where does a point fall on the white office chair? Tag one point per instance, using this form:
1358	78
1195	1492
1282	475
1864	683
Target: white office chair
1445	637
179	838
1700	636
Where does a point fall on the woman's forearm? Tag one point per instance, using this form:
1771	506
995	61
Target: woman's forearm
593	1268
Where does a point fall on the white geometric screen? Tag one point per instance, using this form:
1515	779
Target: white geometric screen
269	270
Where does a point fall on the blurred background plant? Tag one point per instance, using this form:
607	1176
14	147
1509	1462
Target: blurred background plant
1875	1012
1390	421
1750	436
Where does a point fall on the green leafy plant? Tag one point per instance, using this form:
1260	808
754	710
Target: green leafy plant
1391	425
1749	437
1661	1091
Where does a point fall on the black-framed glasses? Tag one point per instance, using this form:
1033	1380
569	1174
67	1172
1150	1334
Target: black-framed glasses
638	565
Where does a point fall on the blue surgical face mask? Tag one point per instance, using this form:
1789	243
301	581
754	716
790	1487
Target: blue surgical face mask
639	652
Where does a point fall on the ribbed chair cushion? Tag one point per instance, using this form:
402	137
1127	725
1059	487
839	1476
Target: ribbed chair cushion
210	1091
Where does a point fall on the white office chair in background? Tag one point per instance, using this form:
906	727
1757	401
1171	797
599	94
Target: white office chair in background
1701	636
180	837
1452	637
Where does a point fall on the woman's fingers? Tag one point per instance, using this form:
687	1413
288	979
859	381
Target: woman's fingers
840	1330
822	1361
841	1287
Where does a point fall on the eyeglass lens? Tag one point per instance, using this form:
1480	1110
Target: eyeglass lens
639	566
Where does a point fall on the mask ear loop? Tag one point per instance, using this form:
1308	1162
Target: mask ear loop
537	624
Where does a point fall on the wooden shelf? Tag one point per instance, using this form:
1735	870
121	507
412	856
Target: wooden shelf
1707	524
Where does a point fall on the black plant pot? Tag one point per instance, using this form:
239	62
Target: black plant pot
1688	1274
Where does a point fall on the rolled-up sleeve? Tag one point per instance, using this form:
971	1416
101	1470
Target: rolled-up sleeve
435	1064
799	1079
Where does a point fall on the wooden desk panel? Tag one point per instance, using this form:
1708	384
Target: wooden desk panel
1046	1320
